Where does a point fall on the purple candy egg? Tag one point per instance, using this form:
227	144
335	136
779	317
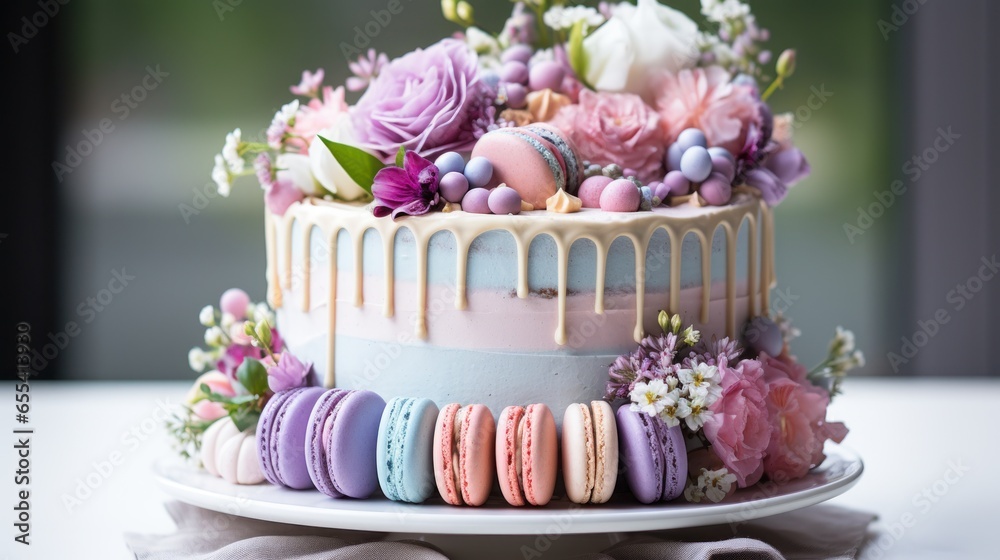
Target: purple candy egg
448	162
674	153
546	75
660	190
521	53
453	186
677	183
724	166
517	95
716	190
514	72
504	200
476	201
621	195
591	189
718	151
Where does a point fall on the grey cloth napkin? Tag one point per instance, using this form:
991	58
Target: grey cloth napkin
822	531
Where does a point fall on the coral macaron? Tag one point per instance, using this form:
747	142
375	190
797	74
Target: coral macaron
404	454
281	436
590	452
527	454
525	162
464	454
340	443
654	455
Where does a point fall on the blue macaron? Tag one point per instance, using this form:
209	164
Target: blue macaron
404	449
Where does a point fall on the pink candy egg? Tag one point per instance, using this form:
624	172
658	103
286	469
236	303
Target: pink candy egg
453	186
621	195
234	301
591	189
546	75
504	200
477	201
716	190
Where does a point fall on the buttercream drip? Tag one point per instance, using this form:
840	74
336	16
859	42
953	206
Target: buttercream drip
565	229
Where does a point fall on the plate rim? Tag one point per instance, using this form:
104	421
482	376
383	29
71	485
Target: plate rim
448	520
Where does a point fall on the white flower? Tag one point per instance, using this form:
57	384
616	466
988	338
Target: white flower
227	321
197	359
698	413
674	409
486	46
859	358
693	493
624	52
207	316
297	169
716	484
649	398
280	123
843	342
701	381
220	174
231	151
238	333
721	11
565	17
214	336
326	169
690	336
262	314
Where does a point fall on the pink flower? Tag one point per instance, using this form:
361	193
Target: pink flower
309	85
365	69
288	373
616	128
705	98
317	116
235	353
738	428
279	194
798	429
217	383
782	367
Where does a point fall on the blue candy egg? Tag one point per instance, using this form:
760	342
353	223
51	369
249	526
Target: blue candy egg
674	153
691	137
448	162
696	164
718	151
479	171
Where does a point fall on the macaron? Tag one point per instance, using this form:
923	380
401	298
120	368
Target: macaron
567	150
281	436
527	454
464	453
340	443
536	161
589	452
231	454
404	453
653	454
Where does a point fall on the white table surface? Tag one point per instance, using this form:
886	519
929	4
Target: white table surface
911	434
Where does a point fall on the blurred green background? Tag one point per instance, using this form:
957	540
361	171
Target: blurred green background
231	65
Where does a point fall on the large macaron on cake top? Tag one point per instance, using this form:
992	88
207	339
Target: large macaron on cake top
404	452
535	161
281	436
654	456
527	454
340	443
589	452
464	446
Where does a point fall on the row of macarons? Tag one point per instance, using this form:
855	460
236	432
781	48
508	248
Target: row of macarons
351	444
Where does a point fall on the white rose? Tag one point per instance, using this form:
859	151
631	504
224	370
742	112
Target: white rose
325	167
636	41
297	169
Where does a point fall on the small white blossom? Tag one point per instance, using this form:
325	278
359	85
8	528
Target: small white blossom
843	342
674	409
227	321
701	381
698	413
721	11
280	123
214	336
649	398
565	17
207	316
231	152
716	484
221	176
262	314
691	336
693	493
197	359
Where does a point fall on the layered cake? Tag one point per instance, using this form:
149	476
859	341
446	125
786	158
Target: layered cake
546	249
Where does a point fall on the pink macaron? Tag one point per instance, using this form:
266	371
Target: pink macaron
590	452
463	454
527	455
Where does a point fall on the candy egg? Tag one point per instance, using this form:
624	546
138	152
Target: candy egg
661	191
674	153
517	95
448	162
763	335
621	195
646	198
677	184
453	186
234	301
724	166
547	74
521	53
479	171
696	164
716	190
591	189
504	200
514	72
718	151
476	201
629	172
690	137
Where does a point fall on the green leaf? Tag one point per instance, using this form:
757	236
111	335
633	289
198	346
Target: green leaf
577	56
253	376
360	166
245	418
399	156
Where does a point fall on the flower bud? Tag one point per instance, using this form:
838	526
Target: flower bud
675	323
449	9
264	334
207	316
248	328
664	321
786	63
464	12
213	336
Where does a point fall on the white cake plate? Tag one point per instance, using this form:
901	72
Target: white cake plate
835	476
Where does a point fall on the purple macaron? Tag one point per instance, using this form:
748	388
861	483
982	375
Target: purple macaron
654	456
341	438
281	435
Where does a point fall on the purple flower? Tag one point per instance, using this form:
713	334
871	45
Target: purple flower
411	189
788	165
426	101
626	371
661	350
309	86
715	353
366	69
771	188
520	26
288	373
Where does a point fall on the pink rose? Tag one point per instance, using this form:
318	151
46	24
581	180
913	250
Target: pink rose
706	98
317	116
798	429
616	128
738	429
218	383
782	367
